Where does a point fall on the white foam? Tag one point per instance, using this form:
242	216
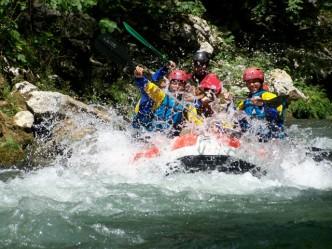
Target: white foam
101	165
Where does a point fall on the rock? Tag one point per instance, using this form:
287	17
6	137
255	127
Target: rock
204	36
43	103
208	36
71	130
24	119
195	31
281	83
205	46
24	88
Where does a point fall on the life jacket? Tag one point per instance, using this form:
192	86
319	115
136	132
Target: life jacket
157	111
260	112
168	115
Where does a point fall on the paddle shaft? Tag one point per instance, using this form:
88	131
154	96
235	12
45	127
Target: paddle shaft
140	38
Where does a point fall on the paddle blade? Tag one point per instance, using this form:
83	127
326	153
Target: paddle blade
111	49
142	40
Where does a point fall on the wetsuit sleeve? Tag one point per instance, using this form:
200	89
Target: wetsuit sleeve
151	91
159	74
268	96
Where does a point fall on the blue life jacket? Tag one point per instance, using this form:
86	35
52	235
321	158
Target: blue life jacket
253	110
261	112
168	115
274	127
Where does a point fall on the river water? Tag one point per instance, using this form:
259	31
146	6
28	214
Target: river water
98	198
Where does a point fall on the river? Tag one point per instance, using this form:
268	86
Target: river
98	198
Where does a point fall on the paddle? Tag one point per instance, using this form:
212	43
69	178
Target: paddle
277	101
118	53
112	49
143	41
274	102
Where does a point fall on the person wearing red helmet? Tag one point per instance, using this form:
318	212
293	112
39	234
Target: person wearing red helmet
254	106
159	111
177	81
206	93
209	86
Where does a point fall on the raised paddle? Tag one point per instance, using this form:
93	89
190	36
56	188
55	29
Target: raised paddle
116	52
277	101
274	102
111	49
140	38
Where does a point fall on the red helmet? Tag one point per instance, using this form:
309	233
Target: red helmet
212	82
253	73
178	74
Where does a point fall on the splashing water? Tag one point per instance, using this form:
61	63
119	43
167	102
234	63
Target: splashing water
100	198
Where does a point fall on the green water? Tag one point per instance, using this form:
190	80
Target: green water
263	220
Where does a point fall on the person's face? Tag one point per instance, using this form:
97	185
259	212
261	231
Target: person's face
177	86
253	85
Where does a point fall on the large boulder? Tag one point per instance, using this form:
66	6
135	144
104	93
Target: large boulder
281	83
57	119
45	103
197	33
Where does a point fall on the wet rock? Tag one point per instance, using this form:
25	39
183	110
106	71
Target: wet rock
24	119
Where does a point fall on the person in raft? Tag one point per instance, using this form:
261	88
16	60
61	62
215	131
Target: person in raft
160	111
210	97
255	106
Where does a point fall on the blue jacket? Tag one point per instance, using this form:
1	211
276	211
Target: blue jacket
262	112
156	111
273	116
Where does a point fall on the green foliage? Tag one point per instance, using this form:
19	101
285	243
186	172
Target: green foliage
190	7
107	26
274	15
10	38
10	151
317	106
294	7
60	44
11	108
67	6
10	144
232	64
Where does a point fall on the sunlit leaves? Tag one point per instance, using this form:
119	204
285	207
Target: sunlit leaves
107	25
71	5
190	7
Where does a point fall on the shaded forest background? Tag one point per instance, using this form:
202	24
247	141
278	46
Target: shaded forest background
52	43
